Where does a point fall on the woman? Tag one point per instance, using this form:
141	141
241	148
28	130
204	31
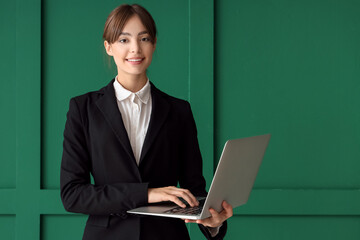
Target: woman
136	141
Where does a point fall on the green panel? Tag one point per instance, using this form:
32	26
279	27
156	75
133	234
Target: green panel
58	227
7	103
74	62
201	78
50	202
7	201
28	59
295	228
7	227
291	68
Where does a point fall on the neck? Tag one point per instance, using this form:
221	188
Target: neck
133	83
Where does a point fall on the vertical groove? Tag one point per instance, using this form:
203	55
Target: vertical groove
215	142
189	69
41	93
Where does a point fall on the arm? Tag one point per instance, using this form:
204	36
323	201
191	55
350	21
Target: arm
77	193
191	169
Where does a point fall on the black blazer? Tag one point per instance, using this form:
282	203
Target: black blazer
96	143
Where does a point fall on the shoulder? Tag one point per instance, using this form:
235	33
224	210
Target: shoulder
176	103
180	111
91	97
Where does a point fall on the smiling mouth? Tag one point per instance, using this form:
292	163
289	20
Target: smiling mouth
135	59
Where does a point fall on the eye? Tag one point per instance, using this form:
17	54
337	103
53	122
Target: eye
145	39
123	40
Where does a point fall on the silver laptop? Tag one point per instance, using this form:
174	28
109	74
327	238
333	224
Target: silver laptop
233	180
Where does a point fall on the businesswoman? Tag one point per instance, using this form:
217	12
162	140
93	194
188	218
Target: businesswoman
137	142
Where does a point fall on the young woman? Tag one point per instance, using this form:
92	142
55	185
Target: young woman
136	141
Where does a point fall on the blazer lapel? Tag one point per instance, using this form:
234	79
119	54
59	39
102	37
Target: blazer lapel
108	106
159	112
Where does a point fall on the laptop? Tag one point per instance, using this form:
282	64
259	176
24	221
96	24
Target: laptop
233	181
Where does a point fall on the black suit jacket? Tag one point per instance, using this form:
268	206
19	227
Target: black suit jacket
96	143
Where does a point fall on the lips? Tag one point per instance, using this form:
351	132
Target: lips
135	60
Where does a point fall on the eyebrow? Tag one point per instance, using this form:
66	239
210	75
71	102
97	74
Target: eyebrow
128	34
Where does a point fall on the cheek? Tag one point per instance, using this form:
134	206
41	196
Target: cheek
150	53
119	56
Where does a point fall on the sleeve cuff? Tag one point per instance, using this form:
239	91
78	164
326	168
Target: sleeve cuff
214	230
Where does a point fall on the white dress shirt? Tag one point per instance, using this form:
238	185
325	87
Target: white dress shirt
135	109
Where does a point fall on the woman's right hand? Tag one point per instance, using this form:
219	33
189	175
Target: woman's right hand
171	194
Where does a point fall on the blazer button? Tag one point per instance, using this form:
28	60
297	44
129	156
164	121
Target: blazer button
123	215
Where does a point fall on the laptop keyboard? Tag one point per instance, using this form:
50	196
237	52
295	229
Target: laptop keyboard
187	210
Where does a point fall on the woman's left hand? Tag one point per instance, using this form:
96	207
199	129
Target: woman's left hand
216	218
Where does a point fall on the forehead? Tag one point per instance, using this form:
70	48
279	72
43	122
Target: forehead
134	25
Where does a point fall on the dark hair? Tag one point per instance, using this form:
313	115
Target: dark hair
119	16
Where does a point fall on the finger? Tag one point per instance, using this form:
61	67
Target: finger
228	209
213	213
192	197
185	194
212	221
175	200
204	222
226	205
190	221
216	218
189	197
170	194
173	193
207	222
164	194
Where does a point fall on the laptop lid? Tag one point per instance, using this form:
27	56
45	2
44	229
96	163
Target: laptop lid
236	172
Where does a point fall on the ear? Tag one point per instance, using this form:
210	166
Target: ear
108	49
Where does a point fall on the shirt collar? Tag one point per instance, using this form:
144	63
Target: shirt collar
122	93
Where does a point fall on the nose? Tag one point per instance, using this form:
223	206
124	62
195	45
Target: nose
135	47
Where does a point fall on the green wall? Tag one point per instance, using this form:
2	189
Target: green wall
292	68
289	68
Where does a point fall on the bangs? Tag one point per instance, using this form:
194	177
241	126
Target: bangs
119	16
